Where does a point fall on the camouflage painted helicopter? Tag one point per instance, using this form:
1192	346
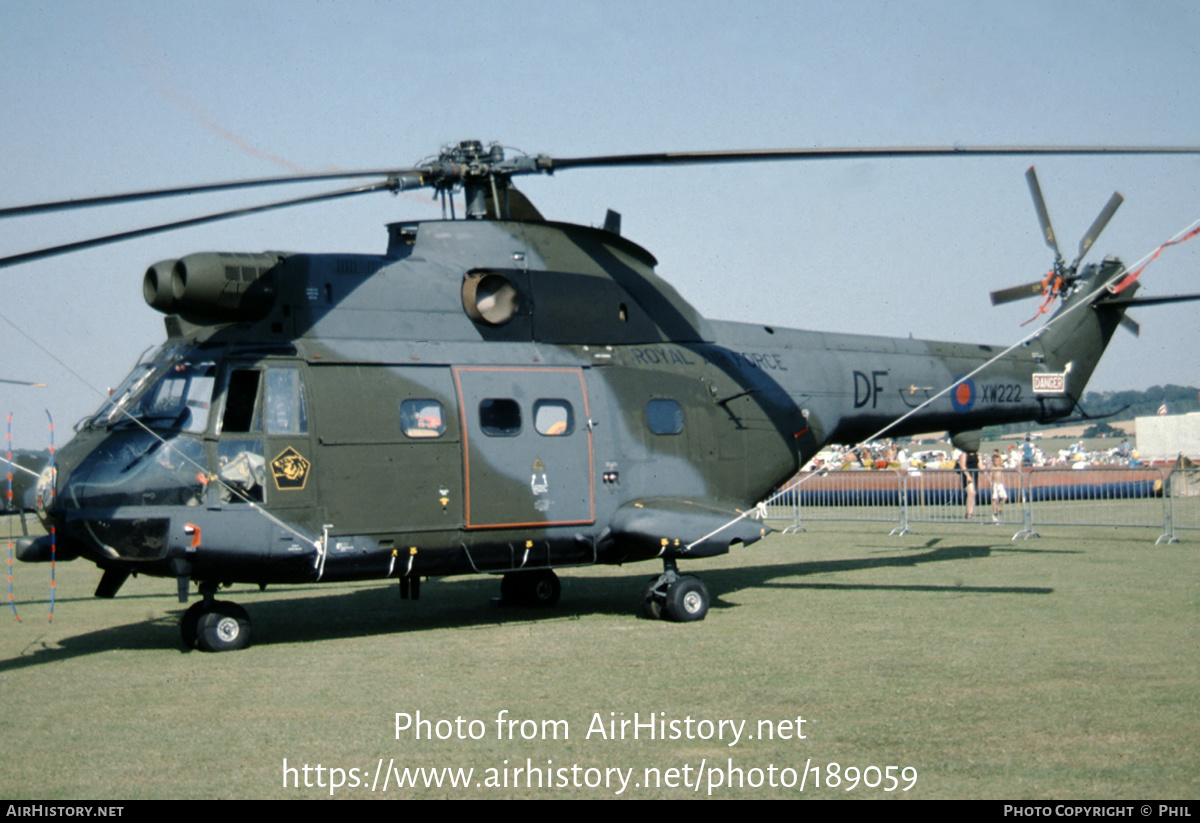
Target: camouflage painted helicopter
497	394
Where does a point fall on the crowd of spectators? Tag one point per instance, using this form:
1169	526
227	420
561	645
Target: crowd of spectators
888	454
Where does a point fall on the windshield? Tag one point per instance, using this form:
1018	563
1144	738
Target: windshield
175	396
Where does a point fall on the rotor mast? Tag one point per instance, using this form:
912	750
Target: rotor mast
483	173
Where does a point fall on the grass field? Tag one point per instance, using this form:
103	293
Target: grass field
1065	667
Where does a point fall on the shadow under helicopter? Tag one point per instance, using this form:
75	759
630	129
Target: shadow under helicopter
464	603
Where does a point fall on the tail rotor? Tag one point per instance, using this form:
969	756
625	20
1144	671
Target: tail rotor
1062	276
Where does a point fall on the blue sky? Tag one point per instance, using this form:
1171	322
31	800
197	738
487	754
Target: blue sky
105	97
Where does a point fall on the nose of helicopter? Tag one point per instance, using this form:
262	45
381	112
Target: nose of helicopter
112	499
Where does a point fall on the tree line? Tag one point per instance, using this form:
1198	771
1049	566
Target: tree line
1113	406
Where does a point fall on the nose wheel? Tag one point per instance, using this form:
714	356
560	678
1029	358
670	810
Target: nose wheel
215	626
680	598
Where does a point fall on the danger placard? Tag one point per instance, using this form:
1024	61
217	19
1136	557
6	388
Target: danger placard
1049	383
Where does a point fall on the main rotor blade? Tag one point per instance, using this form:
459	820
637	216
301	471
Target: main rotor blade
1098	225
1017	292
152	194
194	221
446	172
552	164
1043	216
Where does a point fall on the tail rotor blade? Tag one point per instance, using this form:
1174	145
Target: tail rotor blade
1017	292
1098	225
1043	216
1130	325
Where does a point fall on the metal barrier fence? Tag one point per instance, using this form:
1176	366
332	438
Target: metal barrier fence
869	496
940	496
1024	499
1183	487
1100	497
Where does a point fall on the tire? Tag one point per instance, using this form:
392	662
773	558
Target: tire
224	628
189	624
544	588
652	601
687	600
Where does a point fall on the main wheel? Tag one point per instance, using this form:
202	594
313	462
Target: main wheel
544	588
687	600
224	628
536	588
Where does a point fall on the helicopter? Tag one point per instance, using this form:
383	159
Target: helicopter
497	393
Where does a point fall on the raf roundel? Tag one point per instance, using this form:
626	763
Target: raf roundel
963	395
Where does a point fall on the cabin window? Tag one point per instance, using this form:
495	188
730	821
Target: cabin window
664	416
285	402
422	418
500	417
553	418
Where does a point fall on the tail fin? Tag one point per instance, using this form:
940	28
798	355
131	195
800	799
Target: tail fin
1081	329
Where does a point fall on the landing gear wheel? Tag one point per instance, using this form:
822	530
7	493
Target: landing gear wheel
536	588
687	600
223	628
189	623
544	588
652	600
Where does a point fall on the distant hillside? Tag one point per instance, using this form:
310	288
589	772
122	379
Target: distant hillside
1179	400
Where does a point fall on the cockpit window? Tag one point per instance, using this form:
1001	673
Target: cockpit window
274	403
169	396
285	402
119	397
241	398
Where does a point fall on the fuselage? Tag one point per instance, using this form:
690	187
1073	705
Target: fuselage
488	396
